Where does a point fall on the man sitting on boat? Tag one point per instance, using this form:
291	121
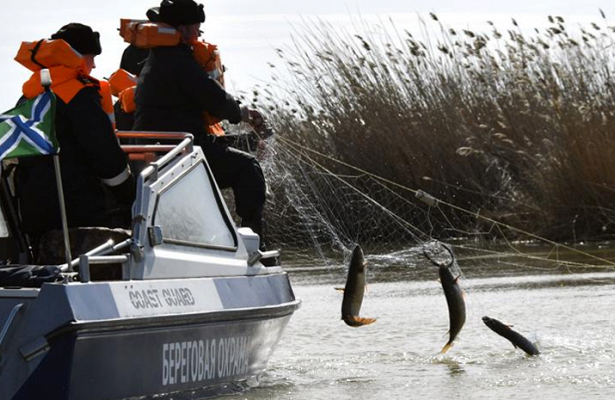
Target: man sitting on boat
174	91
89	151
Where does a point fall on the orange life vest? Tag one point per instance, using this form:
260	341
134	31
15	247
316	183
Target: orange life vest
208	57
123	85
67	68
121	80
127	99
146	34
106	101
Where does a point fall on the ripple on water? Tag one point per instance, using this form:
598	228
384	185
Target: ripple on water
397	357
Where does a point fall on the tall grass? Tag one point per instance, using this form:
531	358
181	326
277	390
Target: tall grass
517	127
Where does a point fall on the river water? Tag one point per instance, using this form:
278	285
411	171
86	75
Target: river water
570	315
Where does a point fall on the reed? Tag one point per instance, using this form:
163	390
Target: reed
517	127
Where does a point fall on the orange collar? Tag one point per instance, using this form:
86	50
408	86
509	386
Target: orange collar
66	83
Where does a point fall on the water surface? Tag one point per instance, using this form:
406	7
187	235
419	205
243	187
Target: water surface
569	315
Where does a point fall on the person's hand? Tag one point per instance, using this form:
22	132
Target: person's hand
258	123
256	119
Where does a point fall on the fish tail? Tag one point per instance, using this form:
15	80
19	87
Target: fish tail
358	321
446	347
367	321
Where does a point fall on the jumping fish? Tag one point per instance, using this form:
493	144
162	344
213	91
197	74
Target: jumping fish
354	290
517	339
456	303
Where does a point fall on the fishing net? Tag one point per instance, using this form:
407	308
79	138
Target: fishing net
316	216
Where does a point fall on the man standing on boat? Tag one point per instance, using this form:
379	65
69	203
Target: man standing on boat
89	151
172	93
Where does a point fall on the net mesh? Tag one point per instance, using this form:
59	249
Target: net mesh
316	216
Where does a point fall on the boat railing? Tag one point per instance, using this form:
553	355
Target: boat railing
86	260
168	151
106	248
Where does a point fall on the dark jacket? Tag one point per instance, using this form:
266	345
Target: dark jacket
173	91
89	152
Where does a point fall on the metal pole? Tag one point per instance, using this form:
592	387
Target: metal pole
46	83
69	258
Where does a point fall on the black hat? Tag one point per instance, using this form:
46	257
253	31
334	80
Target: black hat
133	59
153	14
179	12
80	37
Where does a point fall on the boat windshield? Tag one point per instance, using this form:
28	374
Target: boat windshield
185	216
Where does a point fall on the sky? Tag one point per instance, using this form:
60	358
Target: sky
248	31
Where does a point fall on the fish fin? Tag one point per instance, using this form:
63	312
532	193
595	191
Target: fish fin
446	347
339	289
358	321
515	346
464	295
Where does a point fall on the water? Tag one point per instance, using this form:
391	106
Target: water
569	316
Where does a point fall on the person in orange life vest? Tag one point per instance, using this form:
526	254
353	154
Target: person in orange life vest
172	93
90	155
135	55
133	59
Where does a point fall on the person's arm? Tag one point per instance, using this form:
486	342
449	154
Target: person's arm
208	93
94	132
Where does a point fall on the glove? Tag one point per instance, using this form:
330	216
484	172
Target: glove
256	119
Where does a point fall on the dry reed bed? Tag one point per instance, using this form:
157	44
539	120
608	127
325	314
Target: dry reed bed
517	127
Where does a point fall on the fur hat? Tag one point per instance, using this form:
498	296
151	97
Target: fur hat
178	12
80	37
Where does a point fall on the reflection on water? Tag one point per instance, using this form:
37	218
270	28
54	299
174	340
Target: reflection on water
570	316
455	367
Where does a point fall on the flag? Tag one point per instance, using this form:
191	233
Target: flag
29	129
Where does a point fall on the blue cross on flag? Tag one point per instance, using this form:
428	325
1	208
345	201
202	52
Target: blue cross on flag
29	129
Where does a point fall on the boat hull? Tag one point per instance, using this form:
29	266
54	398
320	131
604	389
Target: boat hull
119	349
106	363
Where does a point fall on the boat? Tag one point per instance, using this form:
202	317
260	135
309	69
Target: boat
182	304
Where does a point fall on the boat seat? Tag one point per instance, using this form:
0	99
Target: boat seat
82	239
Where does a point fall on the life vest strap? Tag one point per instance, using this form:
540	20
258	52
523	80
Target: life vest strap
33	54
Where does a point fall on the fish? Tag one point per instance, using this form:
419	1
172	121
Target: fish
455	301
517	339
354	290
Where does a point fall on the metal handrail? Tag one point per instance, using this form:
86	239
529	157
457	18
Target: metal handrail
147	148
108	247
85	261
153	135
151	171
185	145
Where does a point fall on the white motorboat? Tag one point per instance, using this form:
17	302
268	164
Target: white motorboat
183	305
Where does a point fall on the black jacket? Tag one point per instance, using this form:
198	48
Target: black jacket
89	152
173	91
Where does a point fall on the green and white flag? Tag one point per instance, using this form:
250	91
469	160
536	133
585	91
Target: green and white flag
29	129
